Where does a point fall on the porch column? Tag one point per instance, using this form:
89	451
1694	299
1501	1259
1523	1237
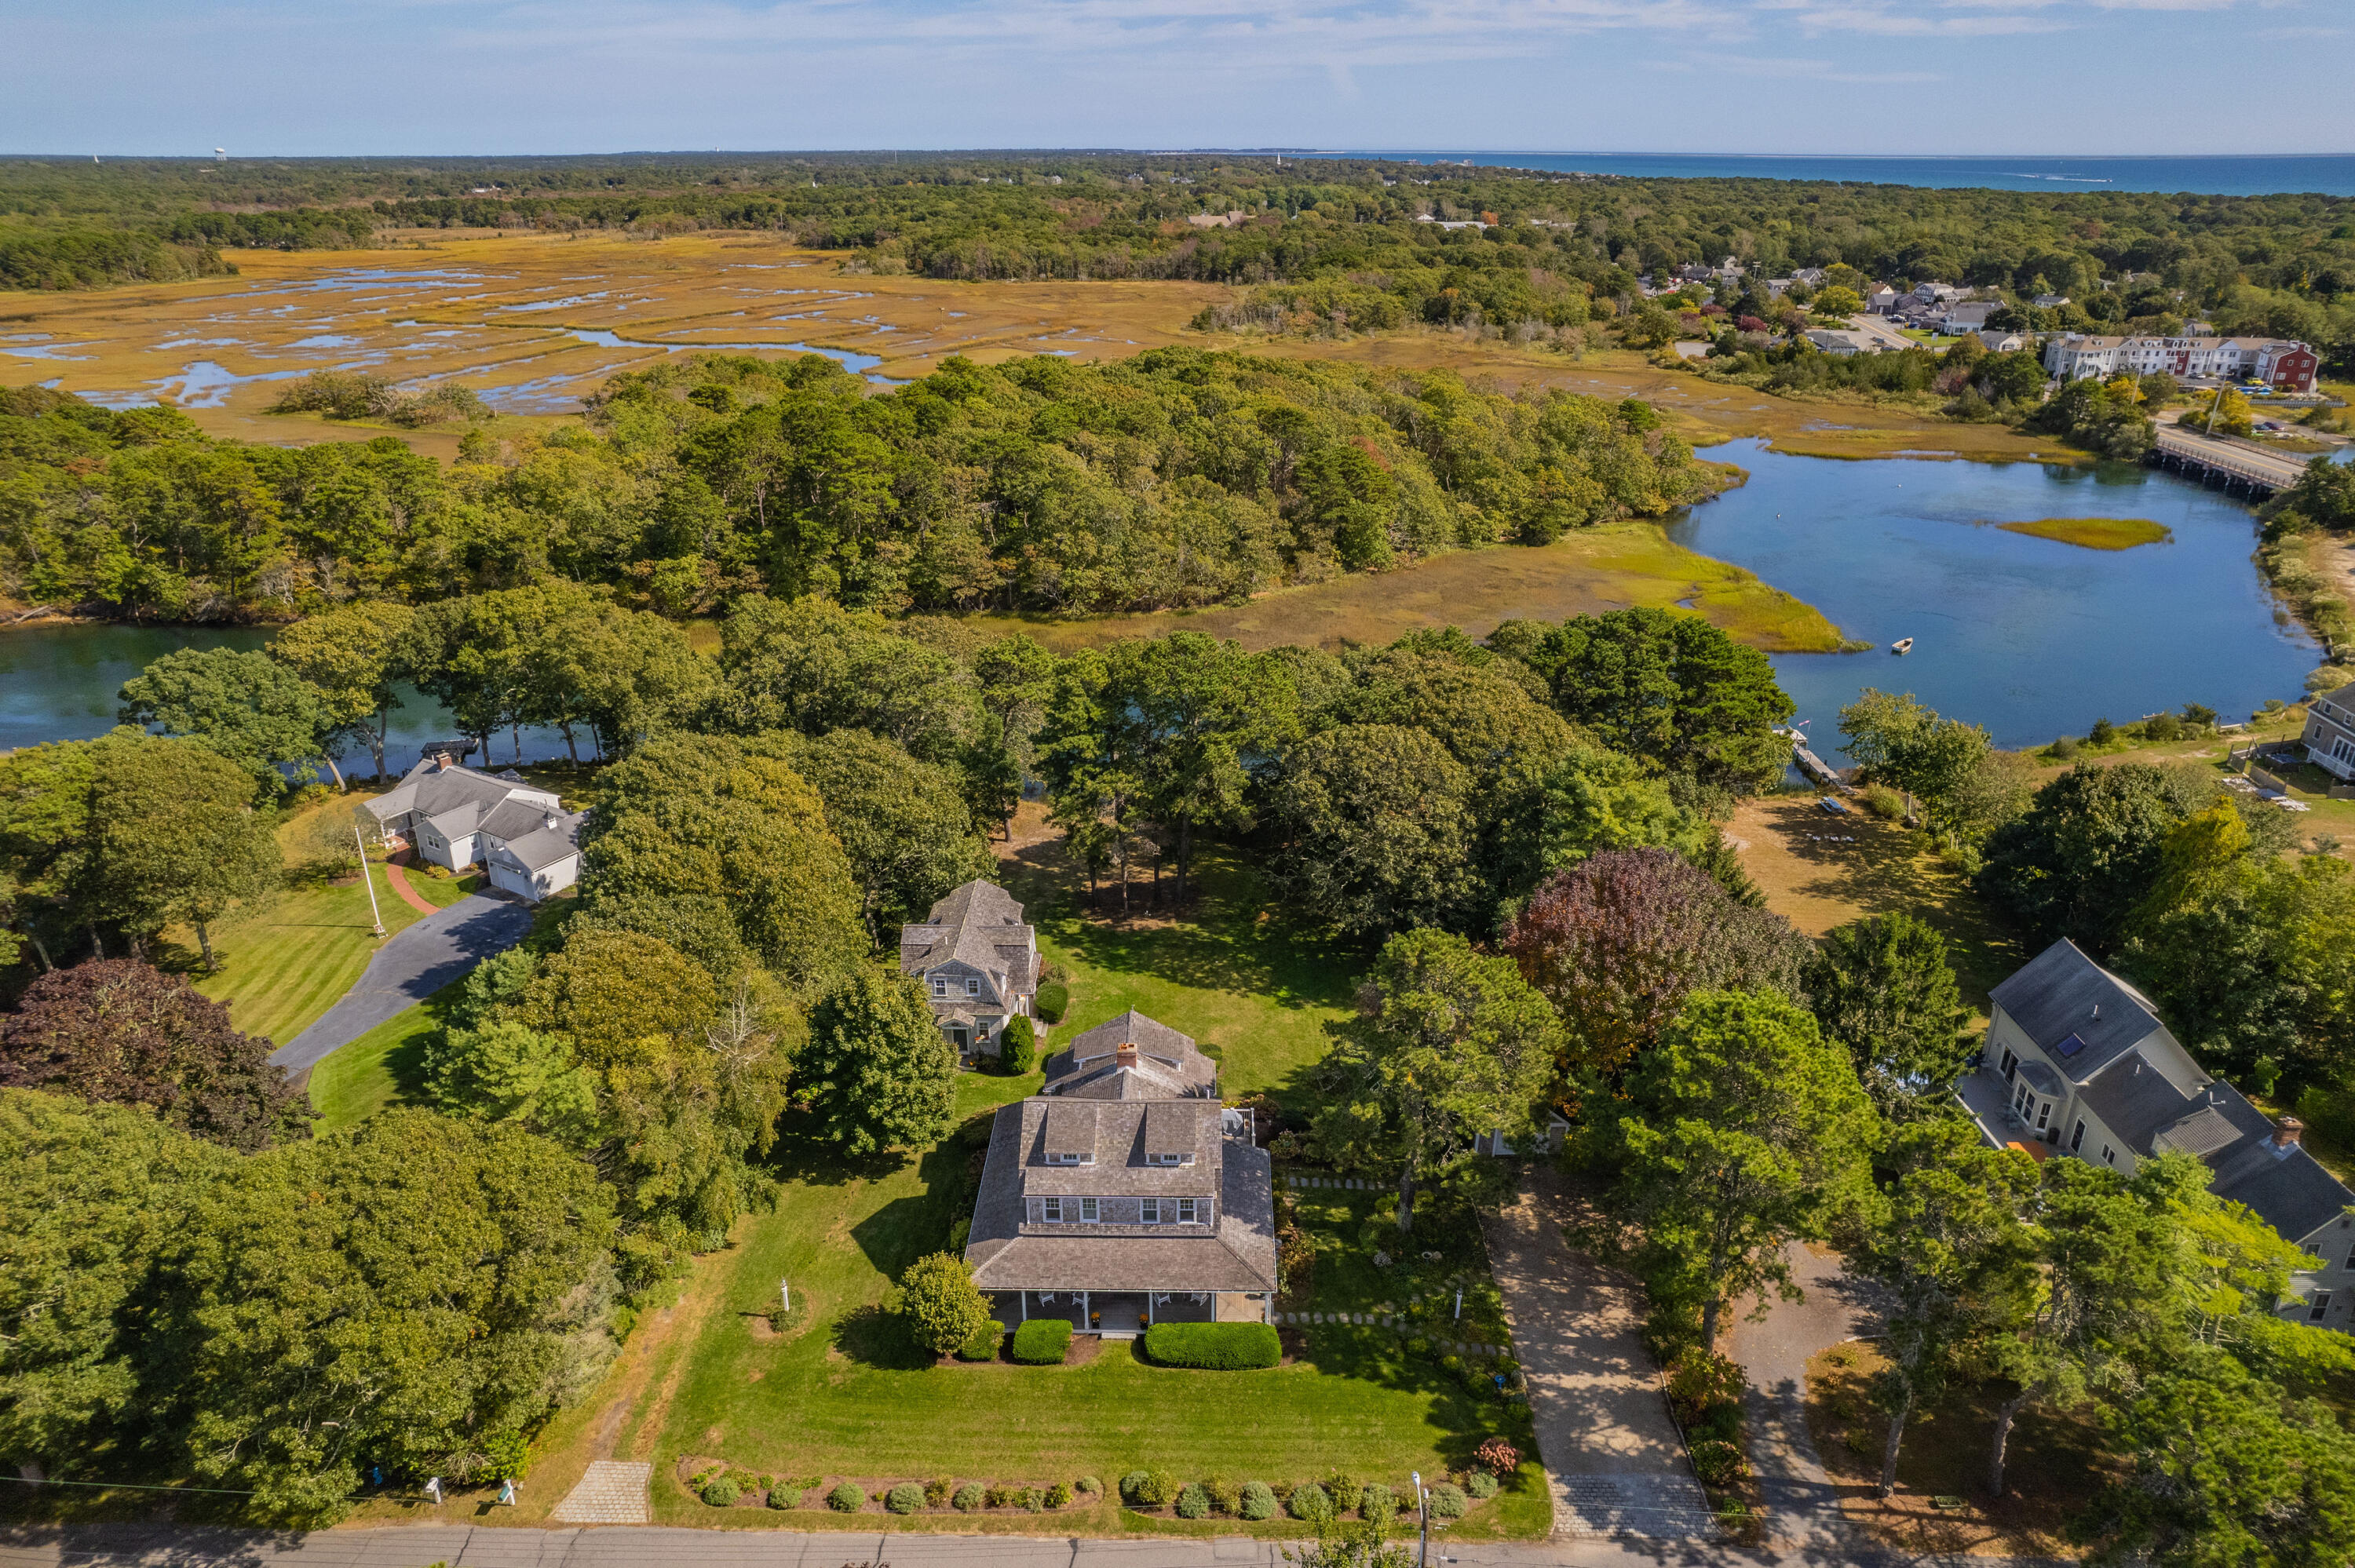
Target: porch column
1026	1304
1148	1309
1084	1324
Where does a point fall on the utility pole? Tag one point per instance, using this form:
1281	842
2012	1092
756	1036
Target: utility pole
375	916
1423	1511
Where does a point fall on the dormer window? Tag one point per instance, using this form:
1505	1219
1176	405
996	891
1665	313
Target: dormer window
940	986
1171	1159
1071	1157
973	987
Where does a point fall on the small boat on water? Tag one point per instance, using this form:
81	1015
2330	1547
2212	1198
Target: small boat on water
1902	645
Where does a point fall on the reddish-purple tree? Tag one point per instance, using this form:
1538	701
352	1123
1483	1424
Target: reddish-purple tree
120	1031
1617	941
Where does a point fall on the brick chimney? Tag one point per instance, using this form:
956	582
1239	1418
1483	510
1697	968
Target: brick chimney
442	761
1125	1056
2286	1134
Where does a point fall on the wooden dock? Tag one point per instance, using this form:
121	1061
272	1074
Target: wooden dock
2230	463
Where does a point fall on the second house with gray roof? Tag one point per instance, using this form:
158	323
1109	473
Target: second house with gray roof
978	962
523	838
2078	1063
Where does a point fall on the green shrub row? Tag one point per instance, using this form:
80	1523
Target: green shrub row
1312	1502
983	1344
720	1489
1219	1347
1043	1342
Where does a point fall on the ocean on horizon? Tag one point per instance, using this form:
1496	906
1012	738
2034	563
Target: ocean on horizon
2319	173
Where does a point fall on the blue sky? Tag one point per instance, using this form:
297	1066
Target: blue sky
1743	76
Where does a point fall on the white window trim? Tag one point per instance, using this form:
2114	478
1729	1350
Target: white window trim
1189	1209
1148	1212
1090	1212
1051	1210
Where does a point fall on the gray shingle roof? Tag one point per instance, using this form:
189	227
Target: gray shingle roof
2215	1123
1168	1066
979	925
2062	993
1168	1110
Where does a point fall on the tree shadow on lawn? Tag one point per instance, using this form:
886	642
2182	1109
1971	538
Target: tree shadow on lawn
873	1338
802	1153
917	1225
1462	1419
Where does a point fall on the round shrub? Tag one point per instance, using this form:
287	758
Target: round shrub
845	1498
1481	1485
1194	1502
969	1498
1226	1495
1161	1487
905	1497
785	1495
1310	1503
1344	1490
1718	1462
1051	1000
722	1493
985	1342
1132	1484
1087	1484
1446	1500
1058	1495
1378	1505
1259	1502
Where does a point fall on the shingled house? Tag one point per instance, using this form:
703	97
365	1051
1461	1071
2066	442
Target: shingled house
1123	1194
2076	1062
524	839
978	962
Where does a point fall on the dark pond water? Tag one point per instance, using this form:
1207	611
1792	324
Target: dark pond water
63	683
2029	637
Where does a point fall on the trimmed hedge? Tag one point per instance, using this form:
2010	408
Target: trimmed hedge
1043	1341
722	1493
905	1497
845	1498
1446	1501
783	1495
983	1346
1259	1501
1217	1347
1051	1001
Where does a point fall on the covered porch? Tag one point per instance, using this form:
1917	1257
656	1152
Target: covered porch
1115	1314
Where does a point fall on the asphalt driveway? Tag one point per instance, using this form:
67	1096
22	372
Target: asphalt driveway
410	968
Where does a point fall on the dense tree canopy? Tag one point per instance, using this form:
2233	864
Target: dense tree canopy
118	1031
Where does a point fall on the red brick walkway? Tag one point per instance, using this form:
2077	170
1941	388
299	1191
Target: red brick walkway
409	895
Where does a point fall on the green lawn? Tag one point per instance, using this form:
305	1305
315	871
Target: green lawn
379	1069
442	891
842	1394
284	964
1234	973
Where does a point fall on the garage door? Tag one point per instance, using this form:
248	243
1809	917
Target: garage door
511	881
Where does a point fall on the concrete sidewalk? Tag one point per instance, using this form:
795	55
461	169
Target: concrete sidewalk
478	1546
410	968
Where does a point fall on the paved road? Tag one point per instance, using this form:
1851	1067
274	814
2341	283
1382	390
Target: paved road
410	968
1613	1461
1802	1503
469	1546
2283	468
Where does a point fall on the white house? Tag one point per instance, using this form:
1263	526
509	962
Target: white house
2004	342
524	839
978	962
1971	316
1838	343
2072	357
2329	734
2077	1064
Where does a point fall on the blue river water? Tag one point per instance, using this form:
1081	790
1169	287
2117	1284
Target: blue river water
61	682
2316	174
2029	637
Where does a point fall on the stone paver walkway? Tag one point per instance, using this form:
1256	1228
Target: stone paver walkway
1612	1456
610	1491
